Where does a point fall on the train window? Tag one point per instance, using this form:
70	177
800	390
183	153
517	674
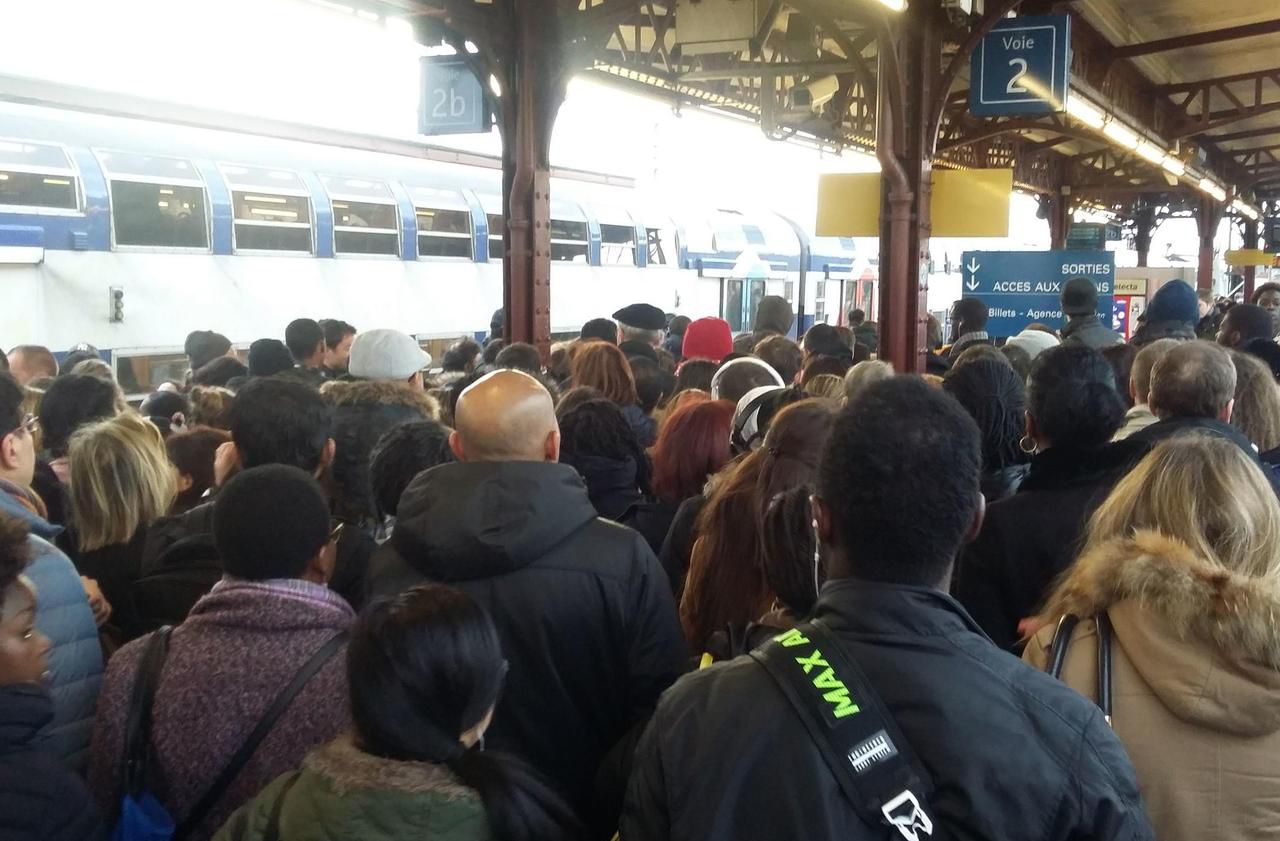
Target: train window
568	241
156	201
497	237
37	175
444	222
617	245
366	219
271	209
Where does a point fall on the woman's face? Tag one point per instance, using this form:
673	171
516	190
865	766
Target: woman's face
1270	301
23	650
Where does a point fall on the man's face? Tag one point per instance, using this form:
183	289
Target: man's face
1270	301
18	448
336	359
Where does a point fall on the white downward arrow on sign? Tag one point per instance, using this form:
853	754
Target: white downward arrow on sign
972	285
973	266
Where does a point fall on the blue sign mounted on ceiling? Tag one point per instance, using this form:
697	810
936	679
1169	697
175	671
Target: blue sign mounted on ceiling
452	98
1023	66
1025	287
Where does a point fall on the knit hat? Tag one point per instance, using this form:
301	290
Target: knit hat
204	346
1175	301
386	355
708	338
268	357
1079	297
1034	342
774	315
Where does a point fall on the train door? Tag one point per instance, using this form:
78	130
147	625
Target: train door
742	290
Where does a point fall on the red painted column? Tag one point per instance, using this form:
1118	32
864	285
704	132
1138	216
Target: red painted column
1207	219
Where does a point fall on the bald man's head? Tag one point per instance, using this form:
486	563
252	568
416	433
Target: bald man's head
506	416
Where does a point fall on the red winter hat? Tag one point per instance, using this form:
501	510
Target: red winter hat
708	338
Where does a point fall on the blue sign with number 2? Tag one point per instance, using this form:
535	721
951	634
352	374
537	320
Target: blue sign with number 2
1023	66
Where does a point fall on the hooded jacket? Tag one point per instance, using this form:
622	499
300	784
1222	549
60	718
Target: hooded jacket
343	793
582	608
1029	538
611	483
1195	681
63	615
363	411
40	800
1012	754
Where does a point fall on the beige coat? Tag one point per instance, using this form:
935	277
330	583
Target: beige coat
1196	682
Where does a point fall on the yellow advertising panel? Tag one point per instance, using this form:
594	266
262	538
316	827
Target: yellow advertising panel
1249	257
848	204
966	203
971	202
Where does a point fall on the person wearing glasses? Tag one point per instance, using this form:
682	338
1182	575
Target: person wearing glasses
65	613
271	616
425	670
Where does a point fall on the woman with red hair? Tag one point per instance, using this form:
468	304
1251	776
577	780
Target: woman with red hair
692	446
603	367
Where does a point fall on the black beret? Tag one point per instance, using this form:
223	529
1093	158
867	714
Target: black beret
642	316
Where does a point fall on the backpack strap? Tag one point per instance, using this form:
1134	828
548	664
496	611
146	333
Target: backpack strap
237	762
138	751
861	743
1058	648
273	823
1058	656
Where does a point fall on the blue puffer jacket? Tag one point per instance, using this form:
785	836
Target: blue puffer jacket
63	615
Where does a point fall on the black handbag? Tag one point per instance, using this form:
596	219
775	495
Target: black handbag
1058	656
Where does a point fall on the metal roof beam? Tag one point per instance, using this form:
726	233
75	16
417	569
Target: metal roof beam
754	69
1183	87
1244	135
1213	36
1217	119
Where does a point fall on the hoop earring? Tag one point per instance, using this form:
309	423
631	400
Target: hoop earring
1028	445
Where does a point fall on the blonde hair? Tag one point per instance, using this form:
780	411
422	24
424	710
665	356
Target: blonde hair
1204	491
828	386
1257	409
864	375
121	480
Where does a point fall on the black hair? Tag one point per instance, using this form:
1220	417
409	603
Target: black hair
1251	321
825	340
454	390
653	385
460	354
1260	290
402	453
857	316
972	313
1121	357
424	668
1266	350
74	358
15	550
277	421
600	328
787	541
1072	397
269	522
1019	360
696	374
219	372
268	357
161	407
678	325
12	397
733	381
335	330
996	399
575	397
900	477
598	428
491	351
304	337
71	402
520	356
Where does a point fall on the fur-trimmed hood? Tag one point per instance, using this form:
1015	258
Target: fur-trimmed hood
1205	639
347	768
380	392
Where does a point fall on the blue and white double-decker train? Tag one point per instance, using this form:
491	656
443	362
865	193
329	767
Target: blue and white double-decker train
128	233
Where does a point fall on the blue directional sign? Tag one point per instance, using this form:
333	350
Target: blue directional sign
1023	66
453	100
1025	287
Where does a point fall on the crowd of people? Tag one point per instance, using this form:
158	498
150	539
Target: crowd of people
669	583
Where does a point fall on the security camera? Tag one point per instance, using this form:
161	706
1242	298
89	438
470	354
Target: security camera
813	94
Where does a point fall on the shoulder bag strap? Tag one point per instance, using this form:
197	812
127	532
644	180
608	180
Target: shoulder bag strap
1058	648
137	741
210	798
871	761
1104	665
277	808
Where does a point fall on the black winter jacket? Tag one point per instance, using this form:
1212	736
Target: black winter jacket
40	800
1089	331
1013	753
1029	538
653	520
611	483
583	609
677	549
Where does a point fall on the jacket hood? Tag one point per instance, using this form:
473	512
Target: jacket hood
1205	639
774	315
469	520
350	769
24	709
611	483
380	392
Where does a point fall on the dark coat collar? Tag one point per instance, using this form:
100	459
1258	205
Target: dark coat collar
1064	467
875	609
1170	427
24	709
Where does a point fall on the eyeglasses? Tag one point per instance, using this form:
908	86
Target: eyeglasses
30	423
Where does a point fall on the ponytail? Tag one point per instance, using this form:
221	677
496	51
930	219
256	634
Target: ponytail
519	806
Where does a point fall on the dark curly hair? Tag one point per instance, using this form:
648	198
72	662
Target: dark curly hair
402	453
598	428
15	551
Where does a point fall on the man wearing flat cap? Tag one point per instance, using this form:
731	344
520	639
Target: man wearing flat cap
641	328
